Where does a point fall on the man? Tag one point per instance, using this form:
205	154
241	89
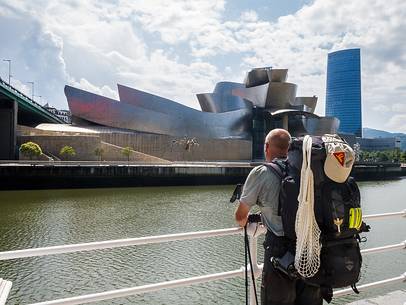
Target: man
262	188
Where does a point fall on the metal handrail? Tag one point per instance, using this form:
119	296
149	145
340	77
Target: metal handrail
253	231
5	287
110	244
112	294
401	245
31	101
399	279
385	215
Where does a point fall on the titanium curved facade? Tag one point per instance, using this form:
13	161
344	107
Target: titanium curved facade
343	93
179	121
236	113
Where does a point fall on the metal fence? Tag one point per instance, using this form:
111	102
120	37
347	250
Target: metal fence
253	230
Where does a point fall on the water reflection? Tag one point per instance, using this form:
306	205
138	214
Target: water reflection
44	218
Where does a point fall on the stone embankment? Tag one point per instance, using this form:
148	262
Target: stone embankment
44	175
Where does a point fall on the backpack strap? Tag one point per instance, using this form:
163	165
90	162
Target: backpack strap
280	171
277	168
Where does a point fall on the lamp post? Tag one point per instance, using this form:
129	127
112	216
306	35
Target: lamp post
32	91
9	70
40	98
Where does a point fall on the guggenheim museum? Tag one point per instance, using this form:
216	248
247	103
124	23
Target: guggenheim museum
231	125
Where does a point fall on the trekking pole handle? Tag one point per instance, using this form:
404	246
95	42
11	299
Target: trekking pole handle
254	229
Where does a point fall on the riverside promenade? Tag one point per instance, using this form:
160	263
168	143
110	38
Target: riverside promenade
48	175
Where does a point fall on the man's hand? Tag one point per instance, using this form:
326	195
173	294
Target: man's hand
241	214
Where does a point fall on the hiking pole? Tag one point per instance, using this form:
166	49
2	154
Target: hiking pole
246	264
247	250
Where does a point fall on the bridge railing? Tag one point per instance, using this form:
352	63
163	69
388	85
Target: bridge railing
254	230
17	92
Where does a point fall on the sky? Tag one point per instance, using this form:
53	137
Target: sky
178	48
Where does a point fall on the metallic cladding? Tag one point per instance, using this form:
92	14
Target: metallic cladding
222	99
343	93
152	102
227	113
108	112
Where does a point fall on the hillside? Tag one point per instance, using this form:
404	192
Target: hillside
376	133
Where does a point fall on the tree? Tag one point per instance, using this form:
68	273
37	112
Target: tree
67	152
403	157
99	153
397	154
358	152
30	150
382	156
127	152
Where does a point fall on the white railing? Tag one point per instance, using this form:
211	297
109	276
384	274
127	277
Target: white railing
5	287
254	230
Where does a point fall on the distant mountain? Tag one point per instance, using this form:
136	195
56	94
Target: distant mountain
376	133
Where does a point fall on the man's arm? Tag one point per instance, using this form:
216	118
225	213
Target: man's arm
241	214
249	196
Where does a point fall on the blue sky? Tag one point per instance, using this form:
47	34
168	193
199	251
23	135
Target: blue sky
177	48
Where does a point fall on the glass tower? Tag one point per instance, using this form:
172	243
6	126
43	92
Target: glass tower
343	93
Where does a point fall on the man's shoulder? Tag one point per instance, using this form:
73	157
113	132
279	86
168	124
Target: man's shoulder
263	171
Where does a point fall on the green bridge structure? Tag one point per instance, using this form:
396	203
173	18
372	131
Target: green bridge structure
17	108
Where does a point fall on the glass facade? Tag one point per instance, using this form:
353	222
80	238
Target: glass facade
343	93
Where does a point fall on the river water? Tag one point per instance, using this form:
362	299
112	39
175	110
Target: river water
53	217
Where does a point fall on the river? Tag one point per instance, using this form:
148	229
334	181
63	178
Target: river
53	217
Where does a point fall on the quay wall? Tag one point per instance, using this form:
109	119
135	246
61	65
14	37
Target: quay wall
84	145
45	175
159	146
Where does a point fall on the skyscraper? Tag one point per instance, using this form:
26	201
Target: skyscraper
343	93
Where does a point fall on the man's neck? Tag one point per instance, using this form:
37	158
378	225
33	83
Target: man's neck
275	157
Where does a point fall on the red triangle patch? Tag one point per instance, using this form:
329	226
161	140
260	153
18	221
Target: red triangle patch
340	156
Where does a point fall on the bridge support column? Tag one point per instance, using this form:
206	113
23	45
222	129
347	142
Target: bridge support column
8	126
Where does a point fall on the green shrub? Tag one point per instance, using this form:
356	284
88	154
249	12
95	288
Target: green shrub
30	150
67	152
127	152
99	153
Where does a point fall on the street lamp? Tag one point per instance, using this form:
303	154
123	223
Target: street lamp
40	98
9	70
32	90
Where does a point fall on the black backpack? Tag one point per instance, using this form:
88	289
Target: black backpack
337	210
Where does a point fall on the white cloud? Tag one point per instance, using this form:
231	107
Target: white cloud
381	108
175	21
399	107
397	122
174	48
100	47
84	84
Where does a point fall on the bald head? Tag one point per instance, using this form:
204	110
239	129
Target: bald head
277	141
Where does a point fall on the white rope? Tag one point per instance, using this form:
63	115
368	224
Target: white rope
307	258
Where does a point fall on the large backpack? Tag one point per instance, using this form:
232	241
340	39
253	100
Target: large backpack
337	210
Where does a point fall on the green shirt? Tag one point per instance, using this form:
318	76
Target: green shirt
262	188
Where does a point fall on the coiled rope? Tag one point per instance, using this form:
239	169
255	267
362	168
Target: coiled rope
307	258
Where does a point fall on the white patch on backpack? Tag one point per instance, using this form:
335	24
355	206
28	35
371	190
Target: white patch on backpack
349	263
